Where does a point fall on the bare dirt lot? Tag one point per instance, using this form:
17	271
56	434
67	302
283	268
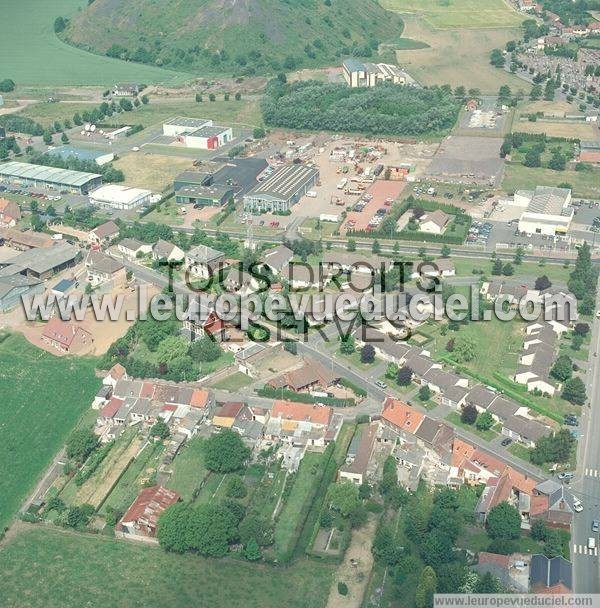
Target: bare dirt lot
469	159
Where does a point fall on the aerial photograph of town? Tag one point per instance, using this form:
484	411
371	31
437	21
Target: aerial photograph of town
299	303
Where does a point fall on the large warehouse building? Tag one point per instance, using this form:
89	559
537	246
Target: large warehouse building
198	133
119	197
547	210
53	177
282	189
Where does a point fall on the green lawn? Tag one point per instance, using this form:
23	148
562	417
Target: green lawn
303	489
497	344
33	54
585	184
454	418
41	399
188	469
234	382
49	568
455	14
526	272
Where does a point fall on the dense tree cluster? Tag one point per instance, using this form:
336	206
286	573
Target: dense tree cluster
557	447
109	173
385	110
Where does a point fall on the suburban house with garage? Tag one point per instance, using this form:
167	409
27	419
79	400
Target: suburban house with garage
356	467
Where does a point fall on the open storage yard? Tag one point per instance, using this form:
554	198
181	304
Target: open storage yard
41	399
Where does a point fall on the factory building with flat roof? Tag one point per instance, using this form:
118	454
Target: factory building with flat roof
119	197
51	177
282	189
209	196
547	211
180	125
198	133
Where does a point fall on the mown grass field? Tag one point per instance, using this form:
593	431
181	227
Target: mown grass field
456	14
458	56
41	399
32	53
585	184
243	112
49	568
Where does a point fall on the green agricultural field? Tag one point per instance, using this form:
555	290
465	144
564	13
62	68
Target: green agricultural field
41	399
585	184
32	53
72	570
457	14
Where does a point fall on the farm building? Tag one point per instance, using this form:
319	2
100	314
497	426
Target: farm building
66	152
215	196
66	337
119	197
53	177
358	74
41	263
282	189
547	210
14	287
24	240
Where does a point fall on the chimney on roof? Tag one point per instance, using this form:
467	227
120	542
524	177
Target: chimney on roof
561	504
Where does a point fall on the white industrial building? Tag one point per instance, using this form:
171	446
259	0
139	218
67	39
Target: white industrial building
119	197
358	74
547	210
198	133
181	125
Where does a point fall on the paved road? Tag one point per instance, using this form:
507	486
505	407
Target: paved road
586	563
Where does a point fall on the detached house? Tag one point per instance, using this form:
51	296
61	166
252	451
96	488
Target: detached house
434	222
163	250
132	248
103	233
278	258
203	261
103	269
10	213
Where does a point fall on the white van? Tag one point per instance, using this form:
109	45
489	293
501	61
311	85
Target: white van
591	543
311	194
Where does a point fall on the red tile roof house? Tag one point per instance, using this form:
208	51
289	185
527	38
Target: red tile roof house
10	213
66	337
140	520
